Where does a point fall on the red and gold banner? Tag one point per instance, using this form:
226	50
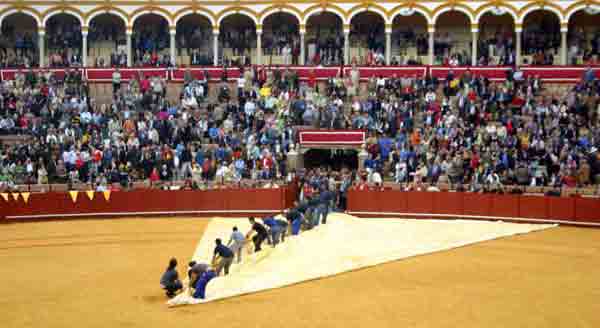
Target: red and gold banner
25	196
141	202
106	195
73	194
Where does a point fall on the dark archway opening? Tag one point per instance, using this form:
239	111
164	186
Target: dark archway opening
334	159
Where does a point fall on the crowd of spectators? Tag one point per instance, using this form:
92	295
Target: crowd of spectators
449	51
484	136
18	48
542	43
140	135
282	42
102	32
368	36
63	42
469	132
496	49
464	131
240	40
151	45
371	39
328	47
197	42
584	47
405	38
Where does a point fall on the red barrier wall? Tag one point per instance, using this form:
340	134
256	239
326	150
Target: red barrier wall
566	210
105	75
494	73
214	73
557	73
389	71
221	202
552	74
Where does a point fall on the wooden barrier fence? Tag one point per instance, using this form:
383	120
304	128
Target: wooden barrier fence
146	202
574	210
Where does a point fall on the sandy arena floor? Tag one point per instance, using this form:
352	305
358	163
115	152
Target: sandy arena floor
104	273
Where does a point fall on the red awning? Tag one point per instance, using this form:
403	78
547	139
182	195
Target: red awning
332	139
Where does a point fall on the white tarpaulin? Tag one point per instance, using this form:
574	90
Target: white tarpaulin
345	243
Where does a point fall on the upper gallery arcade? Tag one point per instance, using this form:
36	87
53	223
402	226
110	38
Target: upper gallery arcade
303	32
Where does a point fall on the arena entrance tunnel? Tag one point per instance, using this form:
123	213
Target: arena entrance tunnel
336	159
328	148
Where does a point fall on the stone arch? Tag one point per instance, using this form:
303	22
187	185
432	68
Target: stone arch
195	10
238	10
280	8
544	7
63	10
151	10
417	10
452	7
107	10
368	8
329	8
21	10
576	7
486	8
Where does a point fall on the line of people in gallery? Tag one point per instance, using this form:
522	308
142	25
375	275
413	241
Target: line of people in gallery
323	43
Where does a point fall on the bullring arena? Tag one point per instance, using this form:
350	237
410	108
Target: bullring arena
430	164
104	272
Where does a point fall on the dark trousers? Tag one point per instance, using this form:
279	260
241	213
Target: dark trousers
278	232
224	264
258	240
173	287
323	211
343	201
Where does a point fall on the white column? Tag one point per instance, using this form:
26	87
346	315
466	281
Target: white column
563	46
259	47
42	46
302	48
346	47
518	33
84	48
172	33
474	47
430	48
129	50
388	46
216	48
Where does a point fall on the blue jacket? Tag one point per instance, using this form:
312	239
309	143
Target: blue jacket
202	282
270	222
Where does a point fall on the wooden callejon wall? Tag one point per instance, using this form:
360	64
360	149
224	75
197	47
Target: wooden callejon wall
574	210
146	202
463	205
